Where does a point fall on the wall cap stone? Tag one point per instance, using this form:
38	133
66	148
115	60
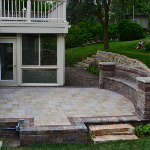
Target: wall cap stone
107	63
143	79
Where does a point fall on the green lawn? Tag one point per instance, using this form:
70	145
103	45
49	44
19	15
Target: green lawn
73	55
141	144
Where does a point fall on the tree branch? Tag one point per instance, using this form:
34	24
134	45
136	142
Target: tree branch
89	5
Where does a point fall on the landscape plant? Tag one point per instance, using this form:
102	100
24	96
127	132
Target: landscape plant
93	70
147	46
77	35
142	130
129	31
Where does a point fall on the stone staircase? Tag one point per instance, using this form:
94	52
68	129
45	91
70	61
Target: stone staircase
113	132
86	63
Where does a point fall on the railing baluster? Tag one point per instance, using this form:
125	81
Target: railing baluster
41	9
19	8
64	10
23	8
34	9
8	8
4	8
16	8
56	9
12	8
45	9
38	9
52	10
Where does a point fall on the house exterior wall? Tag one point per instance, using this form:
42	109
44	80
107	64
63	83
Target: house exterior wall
142	20
60	67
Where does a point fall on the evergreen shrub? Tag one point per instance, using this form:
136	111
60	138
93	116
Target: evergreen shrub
129	31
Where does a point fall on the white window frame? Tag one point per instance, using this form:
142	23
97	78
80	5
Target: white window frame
40	67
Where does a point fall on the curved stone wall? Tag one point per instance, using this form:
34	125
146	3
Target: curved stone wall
102	56
131	82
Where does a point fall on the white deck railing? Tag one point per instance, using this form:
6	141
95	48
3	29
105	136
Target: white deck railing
33	10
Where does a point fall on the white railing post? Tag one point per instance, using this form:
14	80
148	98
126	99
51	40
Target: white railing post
64	10
29	9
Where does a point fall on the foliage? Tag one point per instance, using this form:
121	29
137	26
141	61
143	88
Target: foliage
119	7
93	70
123	48
141	131
147	46
77	35
129	31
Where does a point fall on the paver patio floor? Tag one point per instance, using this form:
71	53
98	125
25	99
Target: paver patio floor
52	105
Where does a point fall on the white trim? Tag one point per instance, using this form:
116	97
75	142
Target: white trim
40	84
39	50
40	67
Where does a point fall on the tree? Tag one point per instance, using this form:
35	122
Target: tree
101	9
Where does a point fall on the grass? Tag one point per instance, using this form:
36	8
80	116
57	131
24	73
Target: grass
143	143
73	55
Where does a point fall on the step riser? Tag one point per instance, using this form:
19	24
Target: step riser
91	59
115	129
113	132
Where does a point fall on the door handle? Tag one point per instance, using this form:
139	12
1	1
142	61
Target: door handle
14	65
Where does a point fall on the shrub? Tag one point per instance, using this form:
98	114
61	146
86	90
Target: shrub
129	31
141	131
147	46
93	70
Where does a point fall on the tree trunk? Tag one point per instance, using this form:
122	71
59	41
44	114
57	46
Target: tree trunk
105	31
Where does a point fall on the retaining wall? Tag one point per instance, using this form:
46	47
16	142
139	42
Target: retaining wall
102	56
131	82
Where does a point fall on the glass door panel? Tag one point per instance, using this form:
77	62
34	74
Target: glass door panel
7	62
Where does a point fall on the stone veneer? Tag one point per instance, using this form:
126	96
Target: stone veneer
131	82
102	56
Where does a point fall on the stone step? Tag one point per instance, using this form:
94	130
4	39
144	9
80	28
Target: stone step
113	129
83	64
93	56
110	138
91	59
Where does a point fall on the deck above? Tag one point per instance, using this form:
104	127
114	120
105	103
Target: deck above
33	15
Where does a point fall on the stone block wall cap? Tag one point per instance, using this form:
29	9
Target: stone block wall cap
107	63
144	79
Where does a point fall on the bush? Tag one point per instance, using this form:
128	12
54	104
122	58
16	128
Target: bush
147	46
141	131
129	31
87	29
93	70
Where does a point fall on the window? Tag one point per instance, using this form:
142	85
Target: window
39	50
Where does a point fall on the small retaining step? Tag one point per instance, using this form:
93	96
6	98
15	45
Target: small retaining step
89	58
83	64
109	138
111	129
113	132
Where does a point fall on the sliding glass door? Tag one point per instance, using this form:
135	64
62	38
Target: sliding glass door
7	62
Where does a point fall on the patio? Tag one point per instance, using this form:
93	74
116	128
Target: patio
53	105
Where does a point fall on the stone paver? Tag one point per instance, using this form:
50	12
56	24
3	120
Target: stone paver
53	105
